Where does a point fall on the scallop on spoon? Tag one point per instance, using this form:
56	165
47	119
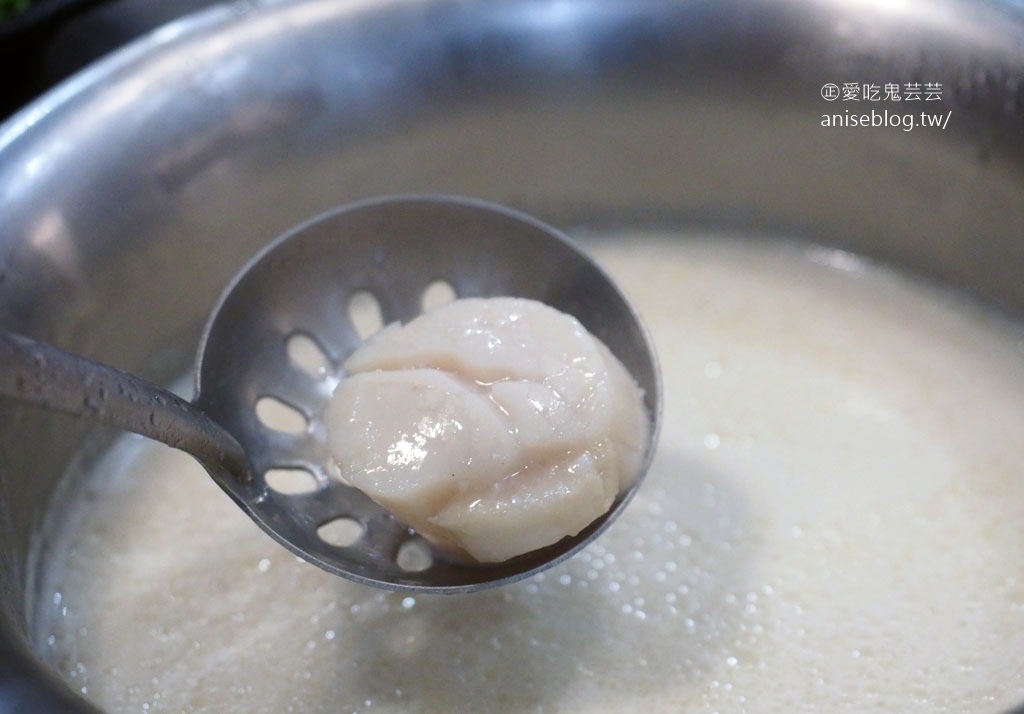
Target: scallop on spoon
298	291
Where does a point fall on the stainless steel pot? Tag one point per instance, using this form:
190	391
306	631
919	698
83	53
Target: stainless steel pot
129	195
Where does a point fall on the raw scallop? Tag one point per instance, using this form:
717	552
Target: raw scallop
492	426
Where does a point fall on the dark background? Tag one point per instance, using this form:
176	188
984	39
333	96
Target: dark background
38	52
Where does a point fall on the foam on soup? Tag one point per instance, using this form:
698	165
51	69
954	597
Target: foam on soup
834	522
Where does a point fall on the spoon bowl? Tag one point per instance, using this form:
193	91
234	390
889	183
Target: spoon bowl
260	404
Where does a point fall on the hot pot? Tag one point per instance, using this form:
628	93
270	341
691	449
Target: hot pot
172	161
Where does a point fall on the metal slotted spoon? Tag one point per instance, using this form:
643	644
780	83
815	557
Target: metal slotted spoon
300	288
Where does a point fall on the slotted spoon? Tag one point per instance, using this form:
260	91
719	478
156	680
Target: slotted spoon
300	287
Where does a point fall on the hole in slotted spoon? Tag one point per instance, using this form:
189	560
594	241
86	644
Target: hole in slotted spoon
414	555
437	293
290	481
275	414
341	531
307	355
364	312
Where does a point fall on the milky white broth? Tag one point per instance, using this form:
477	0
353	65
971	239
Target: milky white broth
834	522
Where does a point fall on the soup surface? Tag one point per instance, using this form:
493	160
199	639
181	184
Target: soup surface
834	522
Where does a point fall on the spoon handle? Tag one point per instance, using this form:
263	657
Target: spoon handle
49	377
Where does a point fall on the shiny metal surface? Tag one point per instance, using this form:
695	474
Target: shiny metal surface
174	160
45	376
394	249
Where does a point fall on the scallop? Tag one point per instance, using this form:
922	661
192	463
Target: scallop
493	427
